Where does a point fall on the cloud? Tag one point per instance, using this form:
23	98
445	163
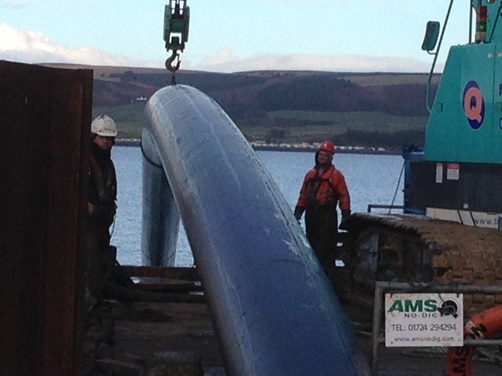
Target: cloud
226	61
12	3
34	47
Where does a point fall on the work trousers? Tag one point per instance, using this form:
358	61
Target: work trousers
98	264
321	223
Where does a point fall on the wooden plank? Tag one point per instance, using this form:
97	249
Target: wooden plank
184	273
120	367
169	287
137	295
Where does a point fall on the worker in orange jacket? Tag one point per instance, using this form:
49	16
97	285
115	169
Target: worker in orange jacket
323	188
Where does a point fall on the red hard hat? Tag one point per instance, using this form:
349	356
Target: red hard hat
327	146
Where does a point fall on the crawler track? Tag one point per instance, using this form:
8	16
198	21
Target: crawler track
419	249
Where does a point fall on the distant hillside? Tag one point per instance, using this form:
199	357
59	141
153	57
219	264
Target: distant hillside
288	106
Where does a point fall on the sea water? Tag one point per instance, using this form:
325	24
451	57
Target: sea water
371	179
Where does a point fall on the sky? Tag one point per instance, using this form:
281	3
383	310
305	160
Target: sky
233	35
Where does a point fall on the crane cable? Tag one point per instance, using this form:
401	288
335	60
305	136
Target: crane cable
397	187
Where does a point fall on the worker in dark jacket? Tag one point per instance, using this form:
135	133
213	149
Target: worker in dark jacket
323	188
102	194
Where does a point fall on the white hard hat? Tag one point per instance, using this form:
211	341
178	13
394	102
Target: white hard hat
104	126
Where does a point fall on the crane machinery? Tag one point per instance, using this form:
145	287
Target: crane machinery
450	229
176	25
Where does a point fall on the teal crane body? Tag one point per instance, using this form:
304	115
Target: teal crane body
461	169
465	122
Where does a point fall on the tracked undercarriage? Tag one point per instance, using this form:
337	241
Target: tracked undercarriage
404	248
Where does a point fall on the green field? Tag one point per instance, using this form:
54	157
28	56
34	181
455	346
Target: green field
287	126
308	126
129	117
360	121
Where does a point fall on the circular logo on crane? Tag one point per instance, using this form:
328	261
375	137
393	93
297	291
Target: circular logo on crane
474	105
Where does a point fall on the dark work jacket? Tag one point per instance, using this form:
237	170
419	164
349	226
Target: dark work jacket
102	189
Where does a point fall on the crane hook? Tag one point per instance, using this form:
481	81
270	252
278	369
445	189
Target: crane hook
171	65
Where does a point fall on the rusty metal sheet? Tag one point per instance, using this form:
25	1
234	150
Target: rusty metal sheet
44	118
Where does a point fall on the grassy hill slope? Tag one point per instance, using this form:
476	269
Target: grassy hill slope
371	109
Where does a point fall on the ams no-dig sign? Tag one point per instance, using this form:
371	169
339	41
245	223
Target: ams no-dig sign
416	320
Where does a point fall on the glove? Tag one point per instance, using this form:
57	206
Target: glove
298	213
345	215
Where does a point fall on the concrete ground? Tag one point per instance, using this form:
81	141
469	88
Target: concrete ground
178	339
395	361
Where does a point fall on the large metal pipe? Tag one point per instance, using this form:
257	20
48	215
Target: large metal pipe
273	307
160	218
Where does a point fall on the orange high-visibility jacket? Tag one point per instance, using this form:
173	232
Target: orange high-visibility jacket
325	189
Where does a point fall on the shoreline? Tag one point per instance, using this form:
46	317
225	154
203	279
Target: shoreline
313	150
286	148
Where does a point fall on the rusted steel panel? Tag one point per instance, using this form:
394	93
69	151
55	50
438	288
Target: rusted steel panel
44	115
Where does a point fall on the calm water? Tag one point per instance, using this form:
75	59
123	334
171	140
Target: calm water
372	179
